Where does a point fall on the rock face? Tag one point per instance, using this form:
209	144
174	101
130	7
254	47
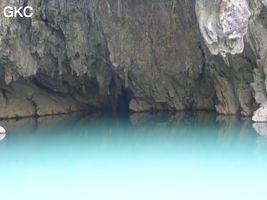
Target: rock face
55	62
147	55
223	24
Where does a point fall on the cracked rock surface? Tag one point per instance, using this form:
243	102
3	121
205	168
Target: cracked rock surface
151	55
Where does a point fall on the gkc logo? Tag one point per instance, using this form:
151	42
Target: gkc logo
13	12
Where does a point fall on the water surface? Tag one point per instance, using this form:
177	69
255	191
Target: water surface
139	157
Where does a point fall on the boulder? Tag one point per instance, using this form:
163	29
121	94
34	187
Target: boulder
260	115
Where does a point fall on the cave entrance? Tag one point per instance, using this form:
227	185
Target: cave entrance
119	98
122	105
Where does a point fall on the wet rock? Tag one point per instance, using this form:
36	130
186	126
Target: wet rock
2	130
24	99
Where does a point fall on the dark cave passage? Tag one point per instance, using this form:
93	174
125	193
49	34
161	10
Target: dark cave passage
122	106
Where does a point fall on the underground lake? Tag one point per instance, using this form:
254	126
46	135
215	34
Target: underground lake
139	156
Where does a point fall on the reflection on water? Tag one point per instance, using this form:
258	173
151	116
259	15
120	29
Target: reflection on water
141	156
261	128
2	136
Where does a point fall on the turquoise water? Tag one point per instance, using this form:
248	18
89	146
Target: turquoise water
141	157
